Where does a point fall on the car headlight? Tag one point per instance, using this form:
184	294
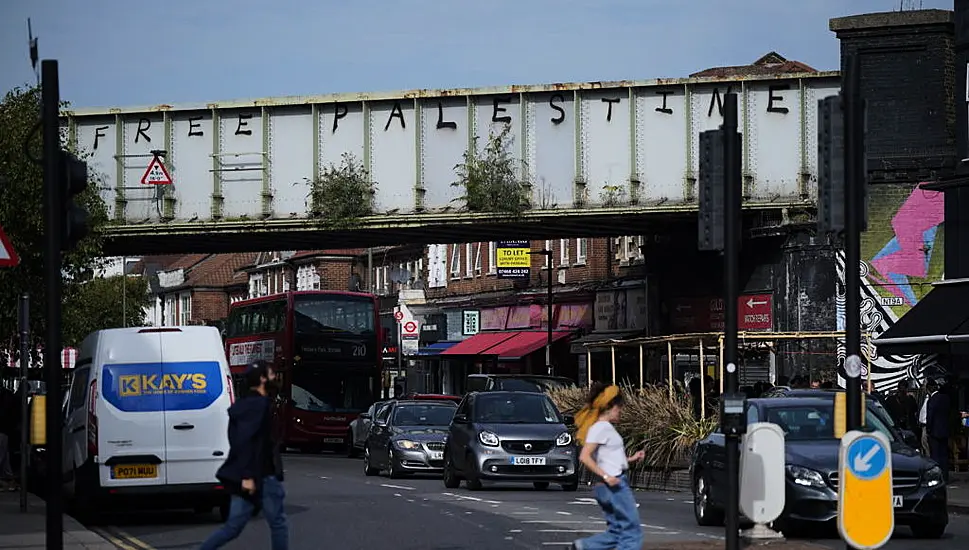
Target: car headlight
408	445
488	438
563	439
806	477
933	477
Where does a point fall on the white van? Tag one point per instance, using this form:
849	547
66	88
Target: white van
146	416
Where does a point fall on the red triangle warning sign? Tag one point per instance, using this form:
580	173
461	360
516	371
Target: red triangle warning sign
8	256
156	174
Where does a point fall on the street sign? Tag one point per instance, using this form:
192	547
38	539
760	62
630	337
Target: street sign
399	315
156	174
866	515
471	322
410	329
756	312
761	470
513	259
8	256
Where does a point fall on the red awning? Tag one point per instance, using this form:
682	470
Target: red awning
505	345
524	343
478	343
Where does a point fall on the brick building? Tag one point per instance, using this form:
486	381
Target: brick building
196	289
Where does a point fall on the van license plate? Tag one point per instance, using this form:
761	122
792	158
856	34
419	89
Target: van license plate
332	440
134	471
896	501
527	460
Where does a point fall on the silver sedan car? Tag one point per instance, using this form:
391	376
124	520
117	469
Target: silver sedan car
510	436
407	437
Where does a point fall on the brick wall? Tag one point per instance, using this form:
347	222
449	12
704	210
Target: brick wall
908	80
209	305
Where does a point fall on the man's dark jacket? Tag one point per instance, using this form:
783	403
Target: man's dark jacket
937	415
253	453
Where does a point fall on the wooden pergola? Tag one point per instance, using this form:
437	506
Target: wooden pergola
702	341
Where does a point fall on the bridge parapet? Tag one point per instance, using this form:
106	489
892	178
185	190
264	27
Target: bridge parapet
587	146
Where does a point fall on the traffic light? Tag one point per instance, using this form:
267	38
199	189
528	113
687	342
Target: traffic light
831	166
73	183
711	184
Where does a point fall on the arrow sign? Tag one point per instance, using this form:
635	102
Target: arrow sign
751	303
866	513
8	256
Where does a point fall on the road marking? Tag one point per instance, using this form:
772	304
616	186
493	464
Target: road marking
564	513
514	530
113	539
556	544
324	477
525	513
529	508
135	540
475	499
404	487
568	530
556	521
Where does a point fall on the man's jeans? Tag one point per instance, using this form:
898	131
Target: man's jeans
622	517
240	511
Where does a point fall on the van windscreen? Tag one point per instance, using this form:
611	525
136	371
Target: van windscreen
153	387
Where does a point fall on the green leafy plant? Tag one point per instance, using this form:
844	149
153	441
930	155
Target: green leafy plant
661	425
343	193
612	195
491	179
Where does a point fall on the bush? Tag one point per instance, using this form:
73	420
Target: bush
662	427
490	178
342	194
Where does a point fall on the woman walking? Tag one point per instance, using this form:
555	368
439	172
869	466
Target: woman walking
604	454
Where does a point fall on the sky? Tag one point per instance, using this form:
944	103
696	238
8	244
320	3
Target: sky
134	52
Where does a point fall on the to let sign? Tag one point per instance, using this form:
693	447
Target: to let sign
513	259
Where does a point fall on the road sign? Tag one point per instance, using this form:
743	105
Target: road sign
756	312
761	469
866	516
513	259
399	315
8	256
156	174
410	329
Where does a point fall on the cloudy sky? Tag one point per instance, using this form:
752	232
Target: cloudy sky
134	52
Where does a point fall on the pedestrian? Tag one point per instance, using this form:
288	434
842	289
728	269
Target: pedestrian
937	426
604	454
903	407
253	471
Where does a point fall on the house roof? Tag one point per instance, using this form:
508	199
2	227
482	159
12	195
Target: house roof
219	270
769	64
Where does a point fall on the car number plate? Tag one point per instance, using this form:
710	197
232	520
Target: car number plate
134	471
332	440
527	460
896	501
436	455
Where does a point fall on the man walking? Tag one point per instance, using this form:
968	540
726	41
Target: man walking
937	424
253	471
904	408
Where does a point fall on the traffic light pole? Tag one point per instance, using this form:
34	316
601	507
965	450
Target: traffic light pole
733	196
50	113
855	170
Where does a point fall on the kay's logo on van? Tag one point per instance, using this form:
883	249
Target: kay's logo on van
135	385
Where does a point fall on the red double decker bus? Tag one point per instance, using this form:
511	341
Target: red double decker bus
326	345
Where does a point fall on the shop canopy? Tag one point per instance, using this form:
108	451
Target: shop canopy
506	345
938	323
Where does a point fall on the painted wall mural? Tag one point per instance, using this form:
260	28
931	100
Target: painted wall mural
902	255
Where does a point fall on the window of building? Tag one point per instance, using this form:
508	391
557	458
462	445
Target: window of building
548	257
307	278
437	265
581	251
563	252
628	249
492	257
477	258
455	261
469	263
171	310
185	308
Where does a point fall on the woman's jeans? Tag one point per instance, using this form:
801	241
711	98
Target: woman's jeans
622	518
240	511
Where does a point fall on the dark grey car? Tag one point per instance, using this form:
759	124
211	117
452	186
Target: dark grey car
407	437
510	436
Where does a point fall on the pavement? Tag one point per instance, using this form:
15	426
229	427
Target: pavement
26	530
958	493
331	504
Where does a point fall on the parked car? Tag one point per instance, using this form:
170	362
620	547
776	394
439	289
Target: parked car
406	437
360	427
812	469
414	396
876	401
510	436
517	382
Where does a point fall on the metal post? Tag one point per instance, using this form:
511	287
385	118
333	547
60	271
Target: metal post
370	277
50	112
124	291
731	283
703	382
548	343
23	388
854	128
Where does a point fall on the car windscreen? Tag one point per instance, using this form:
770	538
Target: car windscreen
423	415
521	408
816	422
537	385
